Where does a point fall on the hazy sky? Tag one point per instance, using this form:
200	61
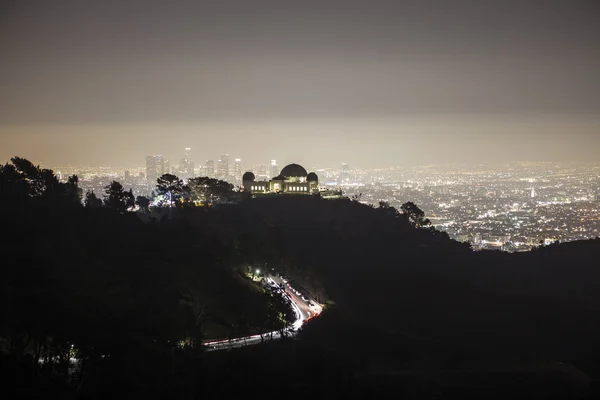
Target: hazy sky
319	82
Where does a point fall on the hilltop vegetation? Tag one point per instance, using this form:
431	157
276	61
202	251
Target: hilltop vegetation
122	289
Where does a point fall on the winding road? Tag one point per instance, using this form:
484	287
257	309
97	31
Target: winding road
305	310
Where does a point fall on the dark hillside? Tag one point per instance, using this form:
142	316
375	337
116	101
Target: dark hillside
132	296
382	271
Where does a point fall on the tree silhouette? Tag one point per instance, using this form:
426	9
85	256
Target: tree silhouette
187	200
117	198
73	190
210	190
91	200
38	180
416	216
143	202
279	314
385	207
22	182
14	189
171	186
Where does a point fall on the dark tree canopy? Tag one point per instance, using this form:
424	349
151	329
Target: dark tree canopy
73	191
91	200
22	182
210	190
117	198
170	186
143	202
415	215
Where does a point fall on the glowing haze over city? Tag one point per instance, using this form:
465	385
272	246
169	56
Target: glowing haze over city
377	84
476	112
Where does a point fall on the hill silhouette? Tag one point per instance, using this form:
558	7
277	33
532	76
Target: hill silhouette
123	290
420	283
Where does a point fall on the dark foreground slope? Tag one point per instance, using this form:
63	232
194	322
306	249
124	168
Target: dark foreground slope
488	307
410	311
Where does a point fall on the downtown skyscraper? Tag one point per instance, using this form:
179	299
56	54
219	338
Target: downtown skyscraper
223	167
186	165
155	167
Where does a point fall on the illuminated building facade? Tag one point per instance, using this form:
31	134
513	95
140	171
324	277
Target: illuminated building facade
237	170
292	179
223	167
155	167
209	168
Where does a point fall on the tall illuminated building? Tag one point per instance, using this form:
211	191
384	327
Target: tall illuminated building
155	167
223	167
274	169
237	169
262	172
186	165
209	168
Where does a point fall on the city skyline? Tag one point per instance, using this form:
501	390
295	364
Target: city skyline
510	207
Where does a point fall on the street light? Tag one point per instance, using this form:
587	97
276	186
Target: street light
257	271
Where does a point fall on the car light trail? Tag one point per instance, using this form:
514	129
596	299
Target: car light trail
255	339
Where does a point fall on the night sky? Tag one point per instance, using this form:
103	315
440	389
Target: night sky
371	83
